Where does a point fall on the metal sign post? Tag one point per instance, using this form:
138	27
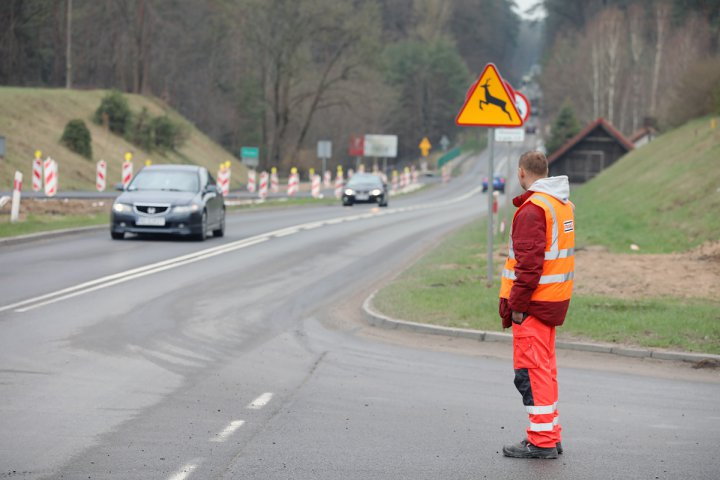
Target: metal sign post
491	175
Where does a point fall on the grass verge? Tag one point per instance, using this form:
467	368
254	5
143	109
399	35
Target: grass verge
448	287
46	223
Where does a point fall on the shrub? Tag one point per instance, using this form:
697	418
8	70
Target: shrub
115	107
140	131
76	137
168	134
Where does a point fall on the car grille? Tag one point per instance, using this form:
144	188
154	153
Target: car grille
152	209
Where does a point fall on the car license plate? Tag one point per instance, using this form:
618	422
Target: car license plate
151	222
361	196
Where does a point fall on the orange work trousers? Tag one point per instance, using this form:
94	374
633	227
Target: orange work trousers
536	379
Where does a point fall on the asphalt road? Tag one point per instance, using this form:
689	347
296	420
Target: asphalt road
246	357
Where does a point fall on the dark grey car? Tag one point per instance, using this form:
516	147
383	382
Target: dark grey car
365	188
170	199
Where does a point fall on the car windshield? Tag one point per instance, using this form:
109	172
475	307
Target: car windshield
167	180
364	179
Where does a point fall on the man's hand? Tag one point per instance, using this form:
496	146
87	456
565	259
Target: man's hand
518	317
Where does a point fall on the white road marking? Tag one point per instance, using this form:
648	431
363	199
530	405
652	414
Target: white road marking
184	471
139	272
261	401
227	431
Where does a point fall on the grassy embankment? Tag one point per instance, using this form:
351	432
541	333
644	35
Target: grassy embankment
663	197
34	119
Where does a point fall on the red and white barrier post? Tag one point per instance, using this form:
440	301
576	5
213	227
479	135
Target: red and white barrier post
50	177
293	182
127	170
394	182
15	207
415	174
315	187
339	182
252	181
223	178
101	176
446	173
274	181
327	179
263	185
37	172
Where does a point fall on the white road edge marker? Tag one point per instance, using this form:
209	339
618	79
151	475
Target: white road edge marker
121	277
227	431
185	471
261	401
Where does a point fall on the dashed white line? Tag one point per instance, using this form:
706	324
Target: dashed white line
261	401
227	431
184	471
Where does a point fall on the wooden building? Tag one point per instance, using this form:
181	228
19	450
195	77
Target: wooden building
589	152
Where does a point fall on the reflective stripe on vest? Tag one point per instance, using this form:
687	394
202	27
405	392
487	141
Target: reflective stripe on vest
544	279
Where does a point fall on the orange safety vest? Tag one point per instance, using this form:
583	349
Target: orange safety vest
556	281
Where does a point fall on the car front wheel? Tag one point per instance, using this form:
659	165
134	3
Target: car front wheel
202	234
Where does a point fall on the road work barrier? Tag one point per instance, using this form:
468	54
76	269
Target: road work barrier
264	177
127	172
415	175
101	176
327	180
274	182
293	182
15	206
223	179
315	188
37	172
50	175
446	173
252	181
394	181
339	182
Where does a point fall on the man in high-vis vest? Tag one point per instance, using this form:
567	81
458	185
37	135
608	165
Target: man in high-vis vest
535	294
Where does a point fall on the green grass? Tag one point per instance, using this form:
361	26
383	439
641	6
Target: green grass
45	223
448	287
34	118
664	197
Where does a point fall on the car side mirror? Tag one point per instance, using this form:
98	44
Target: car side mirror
120	187
210	189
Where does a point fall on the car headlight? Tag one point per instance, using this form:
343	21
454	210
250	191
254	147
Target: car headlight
121	207
376	192
194	207
349	191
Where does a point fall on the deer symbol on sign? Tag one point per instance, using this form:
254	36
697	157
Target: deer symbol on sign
490	100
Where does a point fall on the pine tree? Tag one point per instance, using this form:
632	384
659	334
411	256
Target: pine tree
564	128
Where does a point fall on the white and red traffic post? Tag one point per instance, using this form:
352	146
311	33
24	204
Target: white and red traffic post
274	181
252	181
263	185
50	175
17	188
327	179
293	183
101	176
394	182
339	182
127	172
37	172
315	189
223	179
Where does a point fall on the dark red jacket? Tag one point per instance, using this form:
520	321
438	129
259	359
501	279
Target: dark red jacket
528	237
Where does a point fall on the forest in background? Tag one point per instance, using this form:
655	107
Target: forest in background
280	74
633	62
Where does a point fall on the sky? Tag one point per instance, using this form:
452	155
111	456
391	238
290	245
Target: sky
523	5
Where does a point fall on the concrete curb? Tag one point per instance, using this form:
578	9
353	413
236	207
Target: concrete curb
378	319
33	237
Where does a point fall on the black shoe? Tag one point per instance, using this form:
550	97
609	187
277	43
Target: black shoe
525	449
559	448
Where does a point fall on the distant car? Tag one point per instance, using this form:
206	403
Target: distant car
531	129
170	199
365	188
498	184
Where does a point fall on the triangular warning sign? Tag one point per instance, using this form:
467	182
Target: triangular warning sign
488	103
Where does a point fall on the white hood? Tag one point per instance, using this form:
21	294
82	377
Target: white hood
558	187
